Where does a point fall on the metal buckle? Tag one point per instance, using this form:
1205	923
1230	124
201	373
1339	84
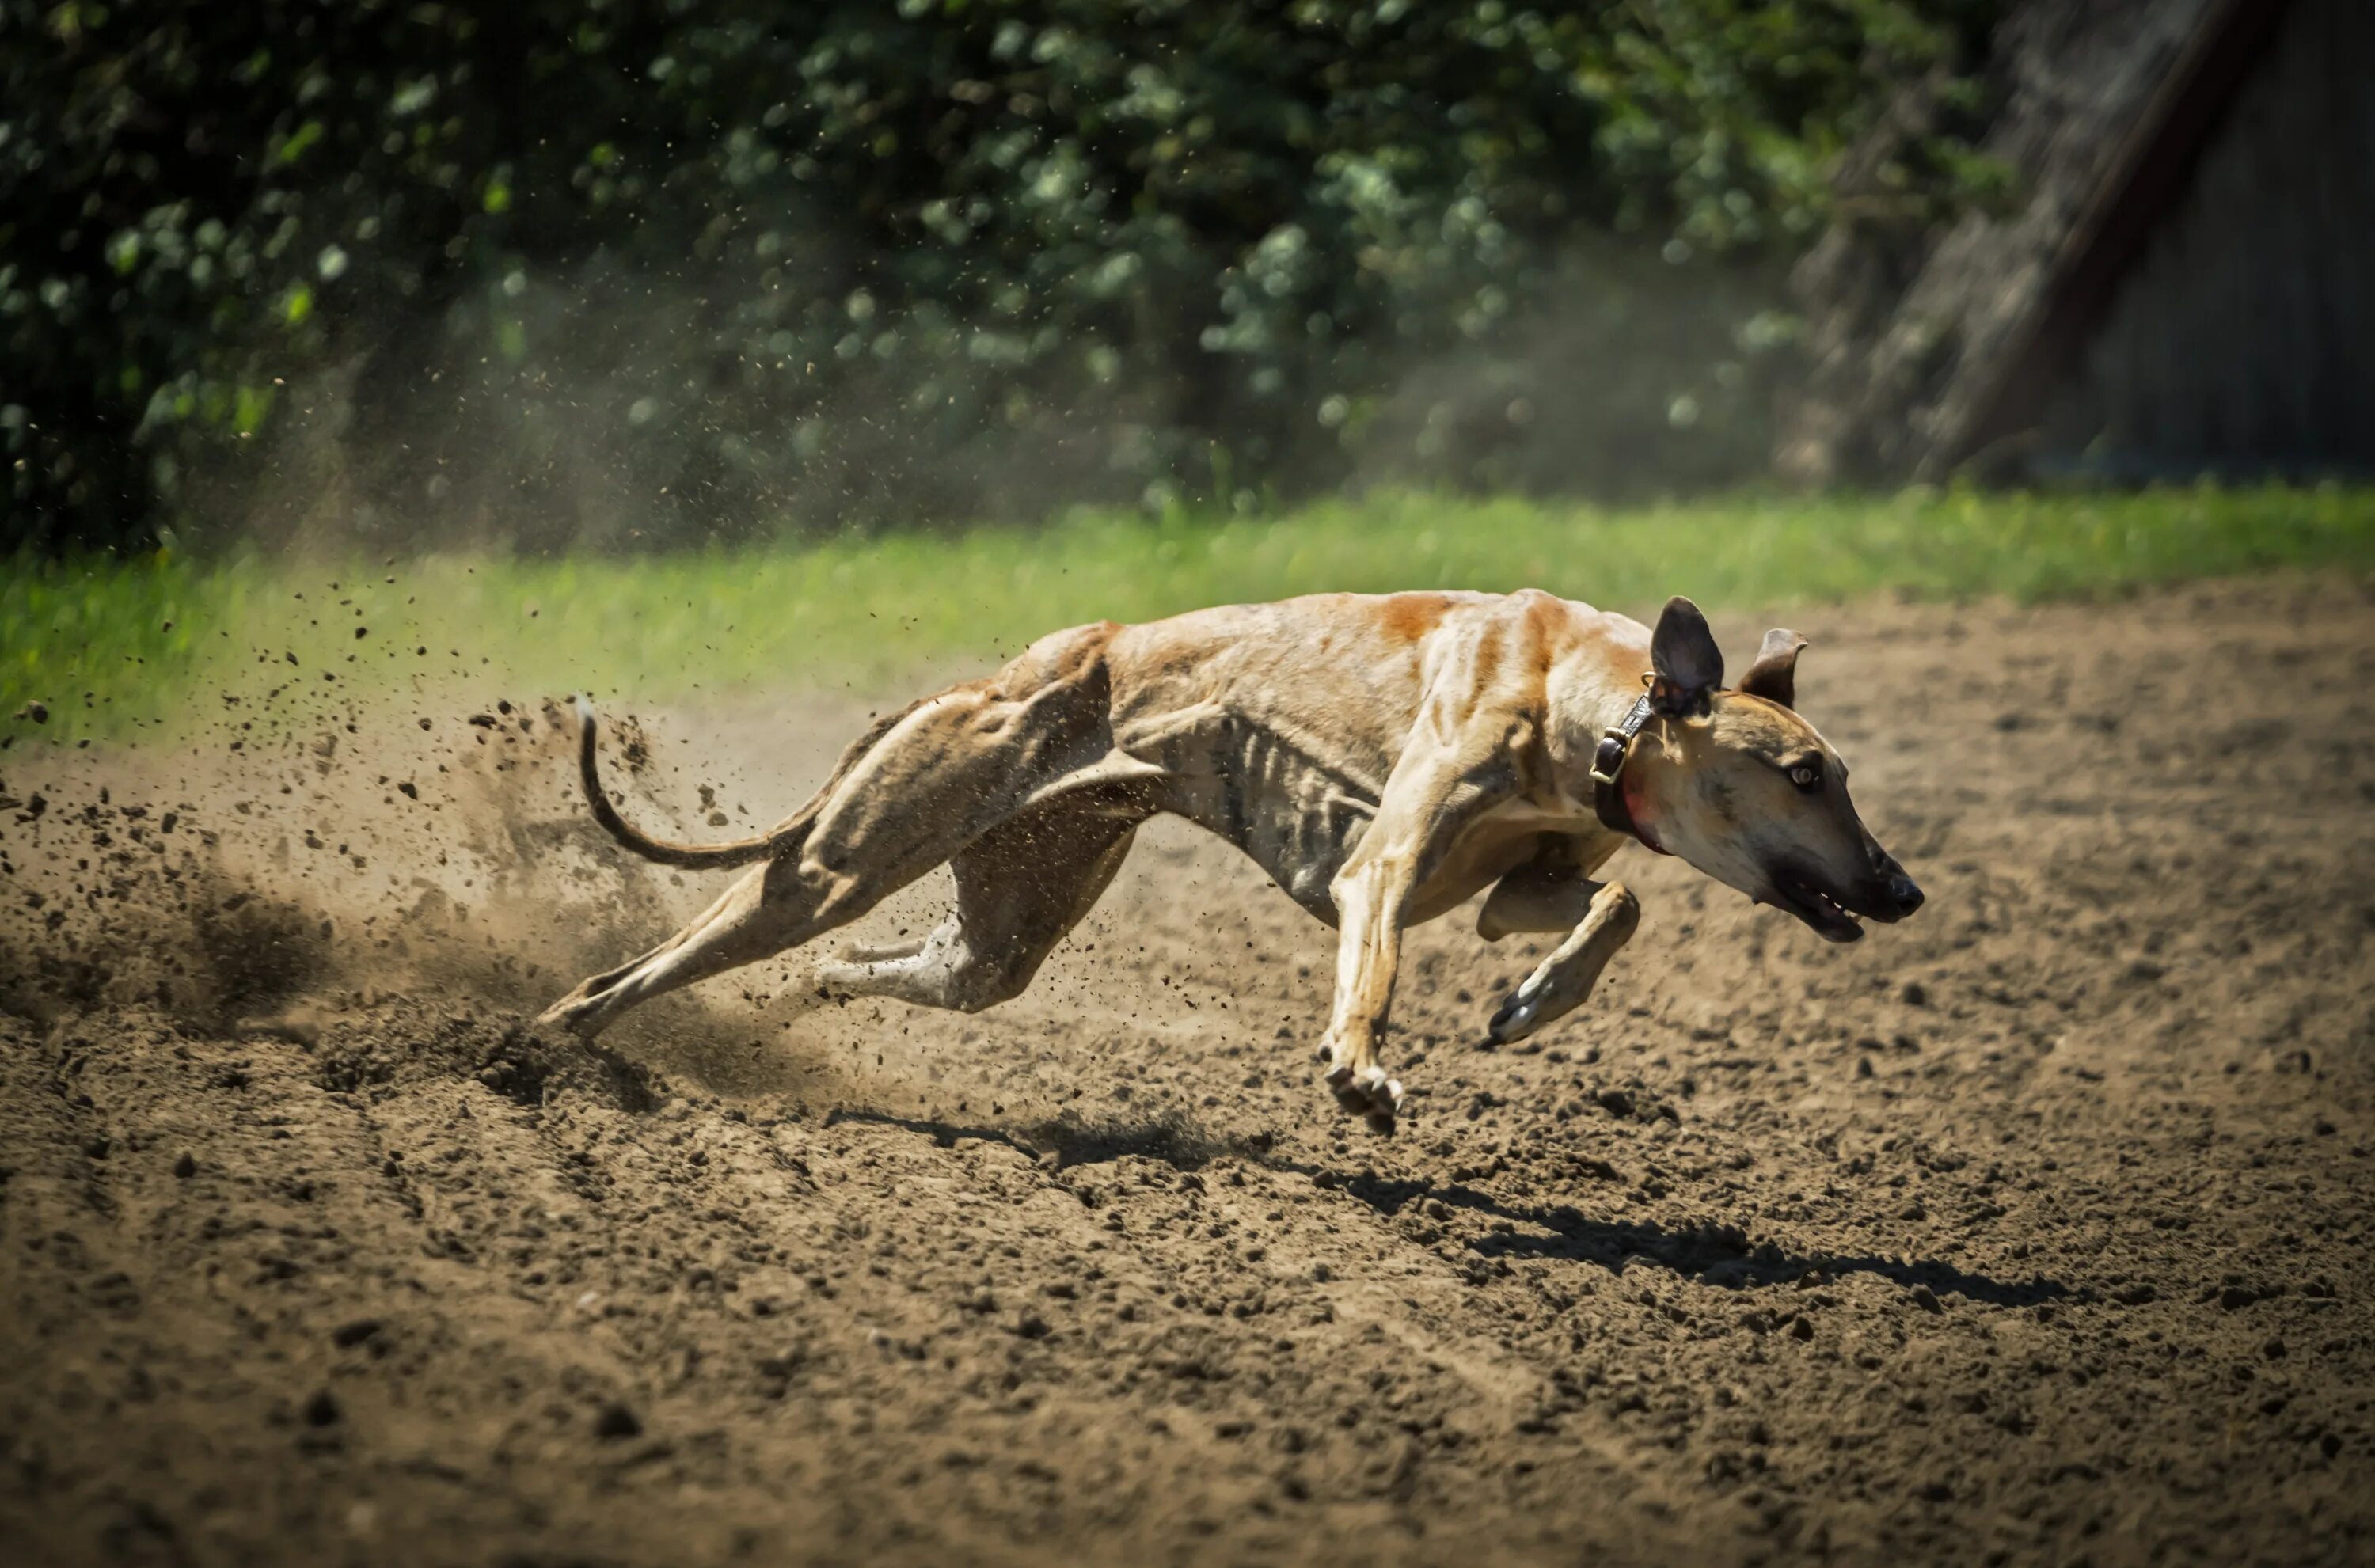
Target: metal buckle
1623	745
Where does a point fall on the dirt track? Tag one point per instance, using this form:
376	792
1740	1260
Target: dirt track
2036	1229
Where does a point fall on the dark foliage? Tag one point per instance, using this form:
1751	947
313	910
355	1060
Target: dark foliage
643	272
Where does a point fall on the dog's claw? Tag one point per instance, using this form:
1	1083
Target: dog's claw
1367	1093
1515	1018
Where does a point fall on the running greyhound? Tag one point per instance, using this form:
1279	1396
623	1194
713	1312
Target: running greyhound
1383	757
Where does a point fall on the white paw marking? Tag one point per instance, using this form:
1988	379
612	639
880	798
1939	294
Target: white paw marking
1520	1015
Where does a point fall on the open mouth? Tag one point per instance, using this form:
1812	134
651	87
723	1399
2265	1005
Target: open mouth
1818	909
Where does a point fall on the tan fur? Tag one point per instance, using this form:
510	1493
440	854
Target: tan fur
1383	757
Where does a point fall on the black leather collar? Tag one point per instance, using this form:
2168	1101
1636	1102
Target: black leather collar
1608	759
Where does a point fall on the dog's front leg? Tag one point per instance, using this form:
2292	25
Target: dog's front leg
1561	982
1549	892
1436	790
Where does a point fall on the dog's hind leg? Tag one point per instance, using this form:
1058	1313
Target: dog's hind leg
1020	887
804	991
768	909
875	952
1561	982
942	778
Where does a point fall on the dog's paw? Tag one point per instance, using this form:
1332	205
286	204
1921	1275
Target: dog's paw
1519	1015
1366	1092
573	1016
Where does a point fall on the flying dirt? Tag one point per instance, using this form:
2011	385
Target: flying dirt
2038	1231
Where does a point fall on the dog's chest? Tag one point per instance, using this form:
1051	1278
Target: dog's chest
1551	812
1493	846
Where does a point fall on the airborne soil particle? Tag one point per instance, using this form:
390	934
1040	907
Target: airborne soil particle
2035	1230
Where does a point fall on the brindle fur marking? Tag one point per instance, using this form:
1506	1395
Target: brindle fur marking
1383	757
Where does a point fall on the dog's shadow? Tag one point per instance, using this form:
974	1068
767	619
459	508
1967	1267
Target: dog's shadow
1171	1136
1711	1255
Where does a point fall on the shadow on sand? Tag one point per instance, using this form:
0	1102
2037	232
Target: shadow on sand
1171	1136
1721	1256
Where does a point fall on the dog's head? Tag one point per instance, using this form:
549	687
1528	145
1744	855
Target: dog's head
1742	787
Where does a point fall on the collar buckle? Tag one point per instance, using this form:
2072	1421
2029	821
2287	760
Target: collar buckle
1608	759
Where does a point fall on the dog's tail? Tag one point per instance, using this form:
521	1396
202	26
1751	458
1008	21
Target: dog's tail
695	857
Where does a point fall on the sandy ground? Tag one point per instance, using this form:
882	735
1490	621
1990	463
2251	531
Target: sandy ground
2035	1230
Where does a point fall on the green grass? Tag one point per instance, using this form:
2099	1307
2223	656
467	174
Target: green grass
113	645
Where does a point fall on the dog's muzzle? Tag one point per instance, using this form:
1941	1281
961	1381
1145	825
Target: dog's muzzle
1835	911
1898	895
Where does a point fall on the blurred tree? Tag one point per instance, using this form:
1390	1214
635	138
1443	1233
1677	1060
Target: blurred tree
641	272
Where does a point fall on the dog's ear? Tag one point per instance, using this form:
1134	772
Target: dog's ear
1689	665
1774	676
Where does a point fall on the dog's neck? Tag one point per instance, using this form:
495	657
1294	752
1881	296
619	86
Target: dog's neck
1585	702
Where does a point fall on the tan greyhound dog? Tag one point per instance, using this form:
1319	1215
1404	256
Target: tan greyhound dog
1382	757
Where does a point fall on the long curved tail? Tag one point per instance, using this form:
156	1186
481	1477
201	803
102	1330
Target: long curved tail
696	856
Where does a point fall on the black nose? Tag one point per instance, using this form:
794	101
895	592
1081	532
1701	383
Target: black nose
1906	891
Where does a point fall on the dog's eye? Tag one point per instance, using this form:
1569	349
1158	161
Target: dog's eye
1805	775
